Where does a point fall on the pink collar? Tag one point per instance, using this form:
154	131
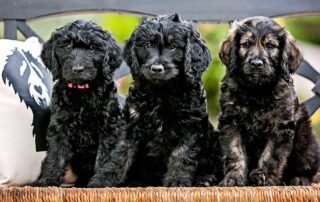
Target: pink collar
78	86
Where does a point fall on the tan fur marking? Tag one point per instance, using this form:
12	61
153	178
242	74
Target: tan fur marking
236	149
266	154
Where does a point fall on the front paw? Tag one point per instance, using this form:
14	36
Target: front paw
206	181
232	180
180	182
259	177
96	182
104	180
300	181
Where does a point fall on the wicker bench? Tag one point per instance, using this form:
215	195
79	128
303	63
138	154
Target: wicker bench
15	15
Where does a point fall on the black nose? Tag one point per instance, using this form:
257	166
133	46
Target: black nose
256	62
77	68
157	68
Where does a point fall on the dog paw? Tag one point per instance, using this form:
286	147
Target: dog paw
99	182
177	183
258	177
206	181
232	181
105	180
96	183
300	181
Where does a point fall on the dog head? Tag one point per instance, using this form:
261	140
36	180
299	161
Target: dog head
259	51
81	52
164	48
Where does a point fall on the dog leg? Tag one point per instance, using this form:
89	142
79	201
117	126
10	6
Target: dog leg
182	164
115	170
53	166
102	158
273	159
106	142
234	158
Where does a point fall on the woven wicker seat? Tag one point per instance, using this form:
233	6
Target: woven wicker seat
153	194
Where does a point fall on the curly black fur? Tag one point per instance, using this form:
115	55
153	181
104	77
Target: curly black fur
266	135
84	122
167	128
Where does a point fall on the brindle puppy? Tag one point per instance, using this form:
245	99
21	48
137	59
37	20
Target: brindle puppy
266	135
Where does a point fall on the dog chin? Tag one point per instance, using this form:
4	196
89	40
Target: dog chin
257	80
80	81
158	79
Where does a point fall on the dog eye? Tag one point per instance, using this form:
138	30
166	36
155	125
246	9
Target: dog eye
270	46
91	47
148	45
69	45
246	45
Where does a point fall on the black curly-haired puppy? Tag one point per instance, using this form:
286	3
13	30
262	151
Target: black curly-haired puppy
266	136
165	111
85	111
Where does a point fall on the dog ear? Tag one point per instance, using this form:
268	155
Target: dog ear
112	60
175	17
197	55
49	58
130	57
225	50
291	55
228	48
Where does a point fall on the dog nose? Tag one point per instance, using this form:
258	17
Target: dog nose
157	68
256	62
77	68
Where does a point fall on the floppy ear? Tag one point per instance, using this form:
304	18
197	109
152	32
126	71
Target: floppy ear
197	55
49	58
228	52
291	55
130	57
229	47
225	50
112	60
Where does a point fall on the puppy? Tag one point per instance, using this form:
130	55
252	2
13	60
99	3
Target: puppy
85	114
167	129
266	136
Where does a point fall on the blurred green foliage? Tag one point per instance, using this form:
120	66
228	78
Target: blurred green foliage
305	28
120	26
213	34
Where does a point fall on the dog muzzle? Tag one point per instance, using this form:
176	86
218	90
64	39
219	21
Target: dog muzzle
78	86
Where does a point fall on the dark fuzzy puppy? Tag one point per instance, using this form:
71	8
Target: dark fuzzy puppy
165	111
85	111
266	136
